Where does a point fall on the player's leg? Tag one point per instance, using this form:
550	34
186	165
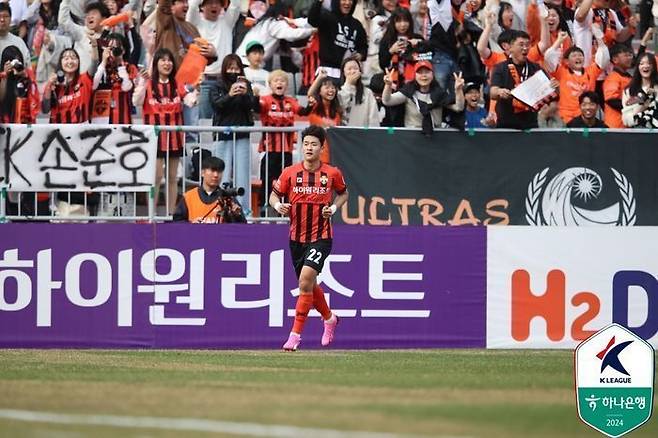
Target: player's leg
298	254
317	255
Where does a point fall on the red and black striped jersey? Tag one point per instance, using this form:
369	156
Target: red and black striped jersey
278	111
310	60
165	108
73	101
308	192
120	101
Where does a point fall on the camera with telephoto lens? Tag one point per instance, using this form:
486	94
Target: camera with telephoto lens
228	191
231	211
17	65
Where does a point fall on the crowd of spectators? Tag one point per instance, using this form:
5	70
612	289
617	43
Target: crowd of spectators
414	63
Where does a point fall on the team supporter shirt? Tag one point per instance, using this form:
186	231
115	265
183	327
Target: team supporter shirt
165	108
308	192
572	85
121	101
73	101
613	89
278	111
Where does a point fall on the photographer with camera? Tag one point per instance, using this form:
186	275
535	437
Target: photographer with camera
210	203
19	96
640	99
113	83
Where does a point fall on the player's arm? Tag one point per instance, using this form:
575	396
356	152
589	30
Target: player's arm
341	199
283	208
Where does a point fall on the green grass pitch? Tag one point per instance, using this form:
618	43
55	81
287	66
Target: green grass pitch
433	393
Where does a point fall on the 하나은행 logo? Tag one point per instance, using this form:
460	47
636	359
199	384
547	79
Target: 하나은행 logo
614	377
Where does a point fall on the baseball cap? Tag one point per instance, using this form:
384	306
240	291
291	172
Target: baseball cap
254	45
471	86
422	64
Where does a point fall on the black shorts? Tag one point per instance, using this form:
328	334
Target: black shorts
309	254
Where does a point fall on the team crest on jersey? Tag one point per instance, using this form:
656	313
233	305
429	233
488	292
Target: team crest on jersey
287	106
324	180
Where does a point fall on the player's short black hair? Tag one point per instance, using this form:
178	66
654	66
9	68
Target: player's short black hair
213	163
316	132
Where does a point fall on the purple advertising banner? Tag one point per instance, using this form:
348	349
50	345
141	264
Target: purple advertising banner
233	286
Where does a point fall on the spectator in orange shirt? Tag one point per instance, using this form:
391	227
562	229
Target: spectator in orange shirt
615	84
324	107
574	77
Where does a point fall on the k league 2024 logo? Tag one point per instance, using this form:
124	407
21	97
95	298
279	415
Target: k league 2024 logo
614	380
553	203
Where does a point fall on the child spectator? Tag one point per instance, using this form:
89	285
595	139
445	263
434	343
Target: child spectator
255	72
475	115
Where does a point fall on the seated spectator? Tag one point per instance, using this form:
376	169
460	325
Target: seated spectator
162	100
324	108
358	102
589	108
640	99
255	72
207	204
424	98
234	102
475	115
341	35
511	113
615	84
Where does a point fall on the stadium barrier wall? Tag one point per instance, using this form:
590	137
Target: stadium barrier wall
493	177
232	286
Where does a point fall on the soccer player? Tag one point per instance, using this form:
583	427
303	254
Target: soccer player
309	187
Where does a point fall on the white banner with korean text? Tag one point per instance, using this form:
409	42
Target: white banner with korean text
80	157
